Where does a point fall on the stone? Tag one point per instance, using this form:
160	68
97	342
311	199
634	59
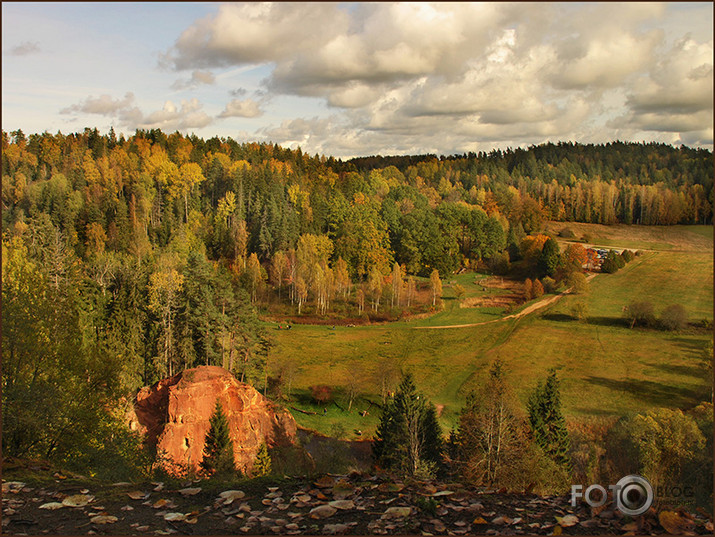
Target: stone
173	415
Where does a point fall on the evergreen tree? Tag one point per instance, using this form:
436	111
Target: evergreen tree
408	438
262	464
550	258
547	421
218	446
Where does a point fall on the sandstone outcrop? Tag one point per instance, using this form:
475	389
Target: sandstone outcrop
174	414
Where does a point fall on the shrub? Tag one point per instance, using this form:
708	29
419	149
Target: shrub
627	256
528	289
549	284
321	393
666	441
499	263
640	313
537	289
567	233
610	264
579	310
619	260
458	290
578	283
674	317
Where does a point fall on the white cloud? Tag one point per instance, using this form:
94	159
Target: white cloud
238	108
440	77
188	116
197	78
103	105
25	48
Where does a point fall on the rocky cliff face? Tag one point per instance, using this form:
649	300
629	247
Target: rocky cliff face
174	416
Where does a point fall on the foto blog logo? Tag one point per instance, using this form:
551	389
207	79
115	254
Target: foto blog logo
632	494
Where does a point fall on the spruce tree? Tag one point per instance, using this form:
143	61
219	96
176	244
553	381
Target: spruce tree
550	258
547	421
218	446
408	436
262	464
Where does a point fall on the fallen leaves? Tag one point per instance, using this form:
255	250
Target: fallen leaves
675	523
174	517
397	512
77	500
51	506
229	496
103	519
160	504
137	495
567	521
325	482
190	491
322	511
342	504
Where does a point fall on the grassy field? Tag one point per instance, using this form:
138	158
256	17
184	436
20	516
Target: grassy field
607	369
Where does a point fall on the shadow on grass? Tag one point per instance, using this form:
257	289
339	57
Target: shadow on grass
652	393
696	371
558	317
598	320
694	347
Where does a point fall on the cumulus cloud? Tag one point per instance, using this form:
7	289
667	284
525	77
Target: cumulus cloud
415	77
238	108
197	78
103	105
189	115
676	95
25	48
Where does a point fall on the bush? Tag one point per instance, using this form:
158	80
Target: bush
579	310
528	289
619	260
674	317
640	313
627	256
567	233
610	264
667	441
549	284
578	283
321	393
499	263
537	289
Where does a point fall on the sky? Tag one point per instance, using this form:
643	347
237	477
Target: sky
358	79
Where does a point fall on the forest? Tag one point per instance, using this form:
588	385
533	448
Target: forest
127	259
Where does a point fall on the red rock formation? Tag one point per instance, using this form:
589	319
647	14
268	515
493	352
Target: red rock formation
174	415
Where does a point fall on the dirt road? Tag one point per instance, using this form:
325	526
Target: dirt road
526	311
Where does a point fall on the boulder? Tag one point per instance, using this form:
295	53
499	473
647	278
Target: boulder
174	414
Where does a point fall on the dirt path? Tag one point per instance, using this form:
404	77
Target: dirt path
526	311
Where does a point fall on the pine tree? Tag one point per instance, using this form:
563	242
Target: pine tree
218	446
547	421
408	437
262	464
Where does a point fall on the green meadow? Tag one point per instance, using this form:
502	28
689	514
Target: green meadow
607	369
